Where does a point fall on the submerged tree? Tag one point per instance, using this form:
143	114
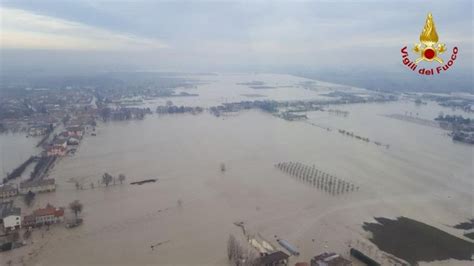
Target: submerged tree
238	255
121	178
106	179
29	198
76	207
232	247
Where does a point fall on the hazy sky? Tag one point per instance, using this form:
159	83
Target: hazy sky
205	35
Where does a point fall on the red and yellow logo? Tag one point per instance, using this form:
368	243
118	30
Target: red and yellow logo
428	50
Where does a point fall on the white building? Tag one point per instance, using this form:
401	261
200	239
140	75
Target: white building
60	143
72	141
10	216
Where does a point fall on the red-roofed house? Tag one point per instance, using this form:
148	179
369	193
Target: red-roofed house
48	215
56	151
75	131
28	221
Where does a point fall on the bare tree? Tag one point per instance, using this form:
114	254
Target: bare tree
106	179
27	234
29	198
92	185
231	247
238	255
121	178
251	258
76	207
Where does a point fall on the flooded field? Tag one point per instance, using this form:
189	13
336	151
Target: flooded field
191	208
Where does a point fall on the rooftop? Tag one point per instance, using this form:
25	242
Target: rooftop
301	264
29	218
273	257
75	128
49	210
332	259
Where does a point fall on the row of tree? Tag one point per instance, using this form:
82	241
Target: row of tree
108	178
317	178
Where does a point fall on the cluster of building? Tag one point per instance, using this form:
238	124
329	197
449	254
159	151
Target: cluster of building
289	109
38	186
121	113
280	258
10	216
271	256
466	137
38	111
461	101
44	216
69	137
40	129
173	109
462	129
7	191
11	220
35	186
41	112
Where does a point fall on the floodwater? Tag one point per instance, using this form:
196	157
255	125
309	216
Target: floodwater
423	176
226	88
16	148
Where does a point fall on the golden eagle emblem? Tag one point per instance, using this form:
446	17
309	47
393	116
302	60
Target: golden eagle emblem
429	48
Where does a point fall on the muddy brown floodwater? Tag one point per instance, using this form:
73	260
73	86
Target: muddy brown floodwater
193	206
